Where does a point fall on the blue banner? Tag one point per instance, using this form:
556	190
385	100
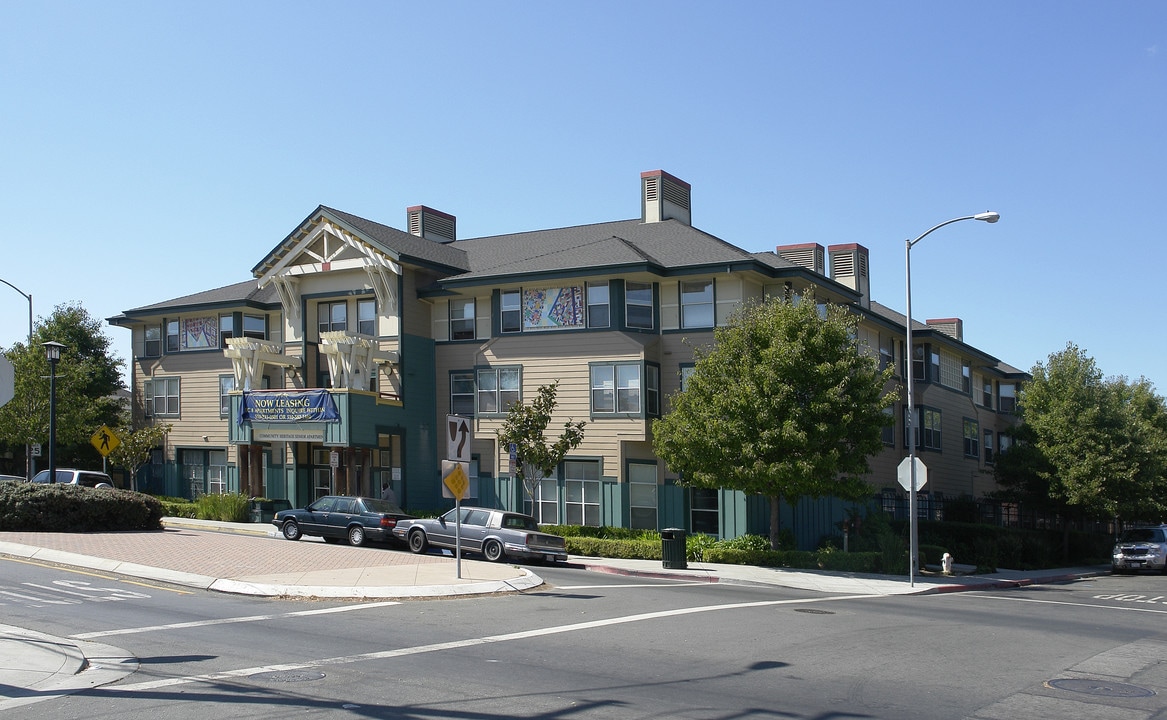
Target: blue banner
284	406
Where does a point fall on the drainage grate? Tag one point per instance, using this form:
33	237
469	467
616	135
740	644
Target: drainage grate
814	611
1101	688
288	676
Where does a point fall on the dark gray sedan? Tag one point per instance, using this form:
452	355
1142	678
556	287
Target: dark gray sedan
497	534
340	517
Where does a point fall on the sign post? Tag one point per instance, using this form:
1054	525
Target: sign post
106	441
456	480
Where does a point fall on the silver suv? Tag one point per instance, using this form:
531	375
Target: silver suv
1141	548
84	478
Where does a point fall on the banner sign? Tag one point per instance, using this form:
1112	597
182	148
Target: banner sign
293	406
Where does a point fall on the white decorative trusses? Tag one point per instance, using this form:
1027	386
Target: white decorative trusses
351	358
307	256
248	358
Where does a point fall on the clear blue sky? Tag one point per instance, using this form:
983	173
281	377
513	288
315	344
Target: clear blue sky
149	150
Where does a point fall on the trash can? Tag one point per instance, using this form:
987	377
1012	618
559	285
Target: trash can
672	551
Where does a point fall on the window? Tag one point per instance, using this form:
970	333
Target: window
638	305
462	319
462	393
935	377
642	501
966	377
172	335
987	394
1008	398
161	396
888	431
581	485
599	310
703	516
686	373
367	317
255	327
511	306
887	352
226	329
1004	442
949	371
927	429
918	363
226	385
332	317
498	389
988	447
616	388
697	304
153	346
217	472
972	438
652	390
546	508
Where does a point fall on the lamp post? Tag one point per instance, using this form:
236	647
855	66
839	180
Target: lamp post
53	353
26	296
909	362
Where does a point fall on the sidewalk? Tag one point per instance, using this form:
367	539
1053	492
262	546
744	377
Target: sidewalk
251	559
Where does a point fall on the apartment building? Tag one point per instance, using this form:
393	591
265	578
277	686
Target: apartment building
335	367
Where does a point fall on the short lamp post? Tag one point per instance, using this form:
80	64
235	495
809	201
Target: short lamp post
909	364
53	353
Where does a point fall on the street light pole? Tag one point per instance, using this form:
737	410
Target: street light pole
53	353
26	296
909	364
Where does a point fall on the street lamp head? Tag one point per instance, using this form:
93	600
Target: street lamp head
989	217
53	350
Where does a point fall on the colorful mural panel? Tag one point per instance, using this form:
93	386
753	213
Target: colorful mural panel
553	308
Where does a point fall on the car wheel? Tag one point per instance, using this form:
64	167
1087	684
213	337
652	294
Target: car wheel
291	530
492	549
356	536
417	541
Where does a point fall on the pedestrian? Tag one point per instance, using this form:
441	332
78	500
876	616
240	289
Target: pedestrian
387	493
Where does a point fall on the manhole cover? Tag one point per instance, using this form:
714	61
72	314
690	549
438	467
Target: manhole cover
1100	688
288	676
813	611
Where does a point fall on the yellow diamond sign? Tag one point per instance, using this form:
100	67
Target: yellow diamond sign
456	480
105	440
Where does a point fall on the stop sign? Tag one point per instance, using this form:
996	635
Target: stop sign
904	474
7	381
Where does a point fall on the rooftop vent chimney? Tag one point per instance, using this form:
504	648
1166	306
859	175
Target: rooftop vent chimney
664	197
432	224
952	327
849	267
808	255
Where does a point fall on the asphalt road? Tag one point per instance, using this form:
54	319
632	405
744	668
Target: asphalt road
591	645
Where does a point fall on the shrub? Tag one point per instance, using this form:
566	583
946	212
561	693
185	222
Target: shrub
696	544
225	507
53	507
178	507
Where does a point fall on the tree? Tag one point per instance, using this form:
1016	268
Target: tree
87	379
1097	447
783	404
135	447
526	428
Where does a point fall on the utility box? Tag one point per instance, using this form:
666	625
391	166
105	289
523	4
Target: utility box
672	551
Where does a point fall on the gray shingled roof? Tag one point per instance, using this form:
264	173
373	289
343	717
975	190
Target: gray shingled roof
408	246
236	294
667	245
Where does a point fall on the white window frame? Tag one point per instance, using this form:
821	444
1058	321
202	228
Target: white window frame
643	496
581	492
510	303
367	317
972	441
173	335
152	347
162	396
255	327
697	304
462	392
226	328
326	320
632	299
498	388
599	311
463	319
226	385
616	381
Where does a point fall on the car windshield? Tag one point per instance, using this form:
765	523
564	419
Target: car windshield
1142	535
381	506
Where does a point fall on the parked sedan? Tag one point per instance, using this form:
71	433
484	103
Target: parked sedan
496	534
340	517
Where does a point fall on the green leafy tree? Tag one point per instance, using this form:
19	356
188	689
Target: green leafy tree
526	428
783	404
88	377
136	445
1097	446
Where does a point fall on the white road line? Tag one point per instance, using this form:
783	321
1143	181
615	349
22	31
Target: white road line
1075	604
469	642
637	585
228	621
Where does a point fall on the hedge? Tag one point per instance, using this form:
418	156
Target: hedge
56	507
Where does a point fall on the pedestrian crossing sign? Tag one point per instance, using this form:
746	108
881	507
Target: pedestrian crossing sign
105	440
